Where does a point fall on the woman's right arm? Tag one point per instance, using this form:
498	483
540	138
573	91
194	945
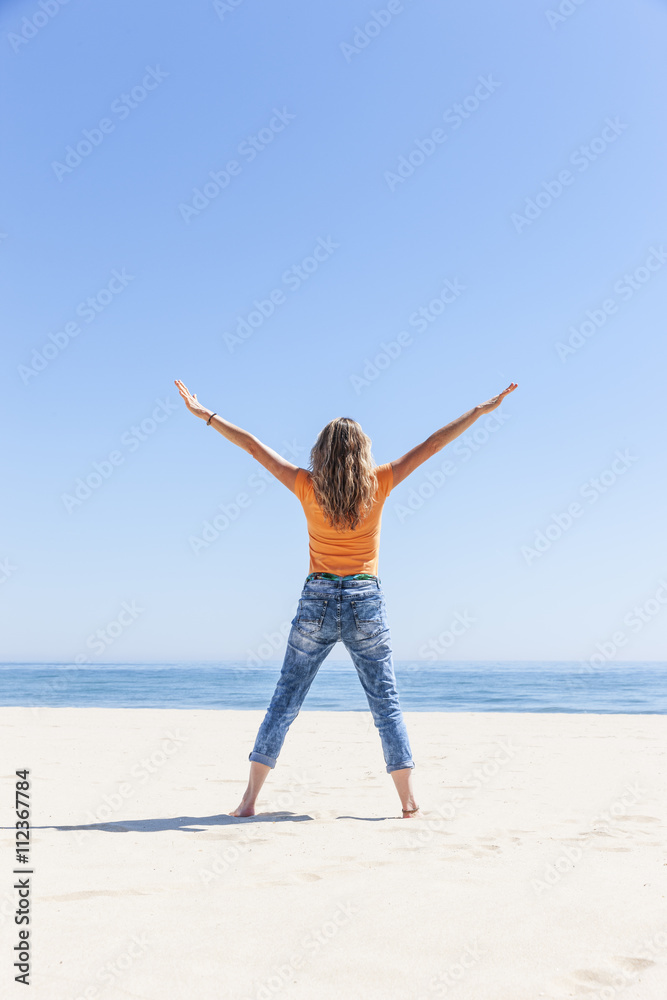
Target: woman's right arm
278	466
412	459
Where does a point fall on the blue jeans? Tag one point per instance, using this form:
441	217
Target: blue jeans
329	611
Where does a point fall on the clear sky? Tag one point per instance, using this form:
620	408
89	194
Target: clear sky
308	210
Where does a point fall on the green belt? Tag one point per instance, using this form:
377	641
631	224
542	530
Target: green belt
350	576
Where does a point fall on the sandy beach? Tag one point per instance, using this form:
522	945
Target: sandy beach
538	869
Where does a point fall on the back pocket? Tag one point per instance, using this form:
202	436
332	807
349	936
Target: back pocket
368	616
310	614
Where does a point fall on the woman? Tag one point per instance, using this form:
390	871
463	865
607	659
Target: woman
342	497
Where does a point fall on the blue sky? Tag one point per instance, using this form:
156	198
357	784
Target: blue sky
366	164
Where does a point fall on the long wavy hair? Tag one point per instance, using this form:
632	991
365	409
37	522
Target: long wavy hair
342	473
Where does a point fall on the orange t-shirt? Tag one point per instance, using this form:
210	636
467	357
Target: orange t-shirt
343	552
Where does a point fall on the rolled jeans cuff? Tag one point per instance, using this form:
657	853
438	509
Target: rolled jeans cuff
399	767
262	758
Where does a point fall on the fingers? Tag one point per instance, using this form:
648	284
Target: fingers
185	393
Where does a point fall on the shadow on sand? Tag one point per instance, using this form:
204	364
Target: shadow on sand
190	824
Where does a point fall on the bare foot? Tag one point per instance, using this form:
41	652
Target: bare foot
258	773
415	813
245	809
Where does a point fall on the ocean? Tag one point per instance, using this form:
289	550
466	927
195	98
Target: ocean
524	686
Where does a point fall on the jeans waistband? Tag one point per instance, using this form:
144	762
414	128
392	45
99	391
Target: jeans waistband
333	576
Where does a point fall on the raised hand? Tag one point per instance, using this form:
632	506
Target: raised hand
192	403
495	401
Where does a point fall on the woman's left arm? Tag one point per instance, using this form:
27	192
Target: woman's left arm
278	466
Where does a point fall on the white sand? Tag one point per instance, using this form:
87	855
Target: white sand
542	876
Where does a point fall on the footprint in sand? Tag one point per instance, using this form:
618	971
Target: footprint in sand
602	978
639	819
636	964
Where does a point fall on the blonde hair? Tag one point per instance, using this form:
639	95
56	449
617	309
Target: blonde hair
342	473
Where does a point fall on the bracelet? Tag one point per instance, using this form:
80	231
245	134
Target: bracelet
210	419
